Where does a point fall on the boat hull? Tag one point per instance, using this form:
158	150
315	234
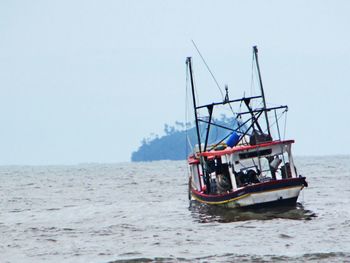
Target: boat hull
273	193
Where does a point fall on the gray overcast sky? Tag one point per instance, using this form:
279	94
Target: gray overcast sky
85	81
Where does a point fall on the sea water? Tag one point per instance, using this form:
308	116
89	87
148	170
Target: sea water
140	212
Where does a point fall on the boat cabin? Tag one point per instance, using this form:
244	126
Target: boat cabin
232	168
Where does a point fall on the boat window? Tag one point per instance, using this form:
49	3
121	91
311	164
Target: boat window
255	154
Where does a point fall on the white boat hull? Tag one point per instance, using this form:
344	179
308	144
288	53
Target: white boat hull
254	199
274	193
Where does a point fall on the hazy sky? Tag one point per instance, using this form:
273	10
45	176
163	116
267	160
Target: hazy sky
86	81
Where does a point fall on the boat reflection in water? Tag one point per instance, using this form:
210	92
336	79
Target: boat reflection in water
203	213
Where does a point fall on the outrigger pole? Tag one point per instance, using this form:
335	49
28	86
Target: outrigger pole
255	48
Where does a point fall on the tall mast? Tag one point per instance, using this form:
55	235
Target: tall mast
189	63
204	171
255	48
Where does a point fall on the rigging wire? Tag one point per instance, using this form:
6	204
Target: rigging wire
194	82
216	136
240	116
211	73
278	118
201	131
252	78
253	81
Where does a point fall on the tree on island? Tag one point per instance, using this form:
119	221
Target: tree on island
173	145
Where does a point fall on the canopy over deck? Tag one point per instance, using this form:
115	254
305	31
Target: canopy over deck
237	149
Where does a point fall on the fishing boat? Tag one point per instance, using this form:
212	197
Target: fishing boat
251	166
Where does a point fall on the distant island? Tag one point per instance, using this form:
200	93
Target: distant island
174	145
